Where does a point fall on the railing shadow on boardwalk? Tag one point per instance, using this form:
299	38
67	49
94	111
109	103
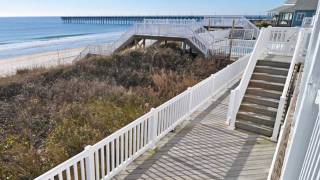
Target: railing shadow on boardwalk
203	149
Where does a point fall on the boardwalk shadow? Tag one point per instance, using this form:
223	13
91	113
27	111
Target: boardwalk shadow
204	149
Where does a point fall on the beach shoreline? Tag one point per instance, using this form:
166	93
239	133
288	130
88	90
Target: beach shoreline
9	66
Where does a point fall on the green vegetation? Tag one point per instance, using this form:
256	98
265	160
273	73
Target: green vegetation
49	115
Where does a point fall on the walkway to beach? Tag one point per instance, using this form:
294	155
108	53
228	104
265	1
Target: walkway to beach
204	148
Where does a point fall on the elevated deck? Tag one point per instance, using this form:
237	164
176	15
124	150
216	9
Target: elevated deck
204	148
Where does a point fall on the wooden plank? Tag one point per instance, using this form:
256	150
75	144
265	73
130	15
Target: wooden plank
206	149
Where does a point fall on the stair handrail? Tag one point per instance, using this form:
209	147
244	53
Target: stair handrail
238	93
284	97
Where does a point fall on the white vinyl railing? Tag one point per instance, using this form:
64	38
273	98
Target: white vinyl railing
298	56
224	21
246	34
307	22
238	94
282	41
169	21
249	25
238	47
190	29
227	21
111	155
310	167
269	39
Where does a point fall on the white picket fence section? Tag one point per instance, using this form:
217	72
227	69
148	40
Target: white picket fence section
111	155
238	47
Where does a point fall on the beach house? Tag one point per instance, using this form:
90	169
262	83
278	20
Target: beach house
292	12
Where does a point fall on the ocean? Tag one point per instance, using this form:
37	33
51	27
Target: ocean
30	35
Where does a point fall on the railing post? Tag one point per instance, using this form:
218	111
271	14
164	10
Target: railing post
89	163
190	92
154	127
231	119
213	77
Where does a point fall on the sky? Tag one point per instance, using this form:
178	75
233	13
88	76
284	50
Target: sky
134	7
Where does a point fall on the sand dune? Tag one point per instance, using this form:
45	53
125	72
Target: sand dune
11	65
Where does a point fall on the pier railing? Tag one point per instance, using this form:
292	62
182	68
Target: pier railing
108	157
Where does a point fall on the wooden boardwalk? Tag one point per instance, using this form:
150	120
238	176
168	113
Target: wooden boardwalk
204	148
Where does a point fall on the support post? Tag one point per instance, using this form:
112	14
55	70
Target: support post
190	90
89	163
154	128
231	119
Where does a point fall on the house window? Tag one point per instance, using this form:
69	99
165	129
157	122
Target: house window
300	16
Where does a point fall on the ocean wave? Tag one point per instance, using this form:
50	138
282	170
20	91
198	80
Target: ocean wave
61	36
60	41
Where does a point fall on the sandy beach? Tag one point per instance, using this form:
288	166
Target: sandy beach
10	66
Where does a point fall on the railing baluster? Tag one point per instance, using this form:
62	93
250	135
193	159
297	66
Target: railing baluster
130	142
103	174
96	155
83	177
117	152
75	171
68	174
122	149
134	140
138	137
113	155
108	164
90	163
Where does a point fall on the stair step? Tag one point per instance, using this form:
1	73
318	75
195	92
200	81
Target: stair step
261	101
256	118
273	64
269	77
271	70
264	93
266	85
259	109
254	128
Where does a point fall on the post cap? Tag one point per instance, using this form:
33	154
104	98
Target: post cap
88	147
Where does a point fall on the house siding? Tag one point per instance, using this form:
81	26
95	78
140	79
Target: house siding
298	22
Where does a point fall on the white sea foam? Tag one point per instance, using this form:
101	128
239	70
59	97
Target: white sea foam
60	41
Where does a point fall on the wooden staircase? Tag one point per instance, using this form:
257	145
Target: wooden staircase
259	107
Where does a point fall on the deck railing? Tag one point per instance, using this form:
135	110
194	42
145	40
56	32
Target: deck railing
207	42
111	155
307	22
239	48
282	41
298	57
269	40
